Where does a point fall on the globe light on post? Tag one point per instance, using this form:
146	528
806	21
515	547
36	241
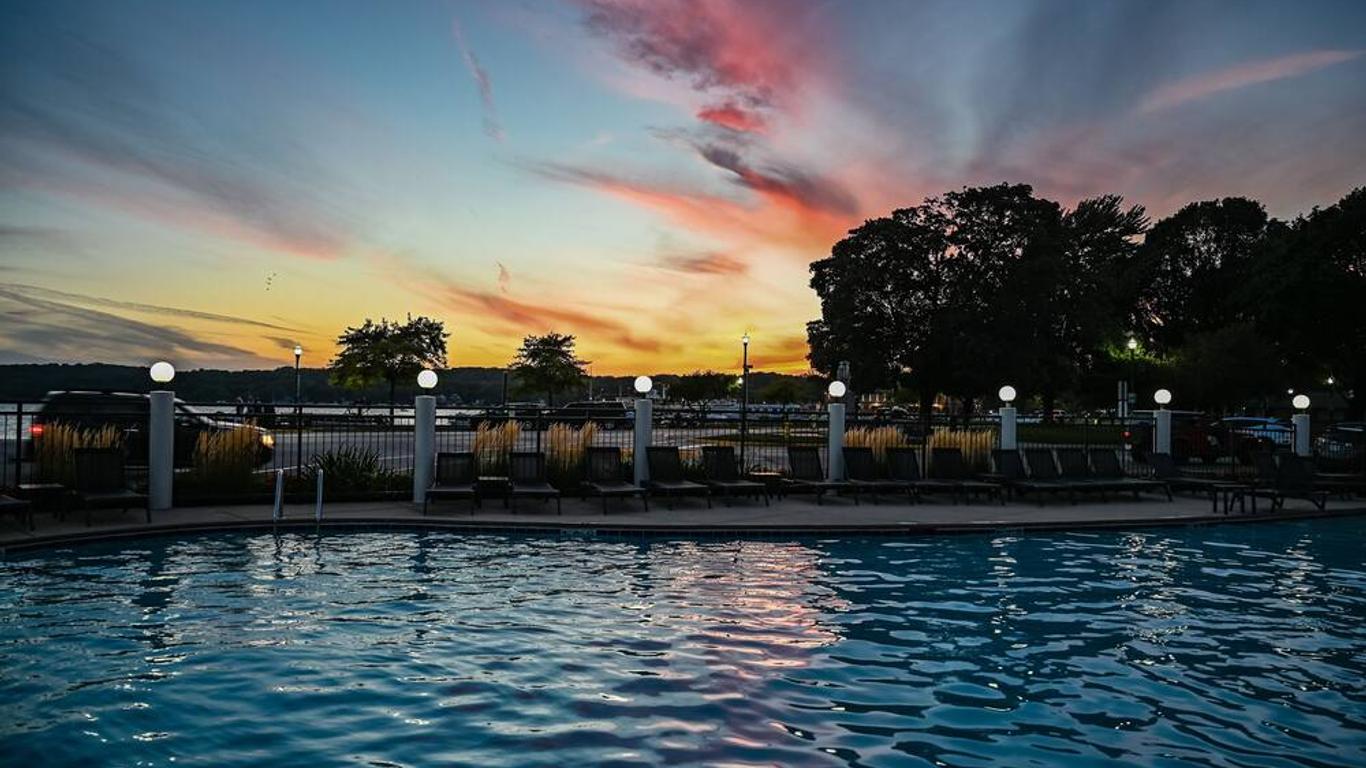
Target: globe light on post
1132	344
162	372
1163	397
1301	402
427	379
836	389
643	385
1007	394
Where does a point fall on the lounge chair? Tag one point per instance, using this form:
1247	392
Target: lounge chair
903	466
102	484
1011	473
1105	465
1294	480
20	508
454	478
860	469
947	466
808	474
1074	468
1164	469
527	479
603	477
666	476
723	474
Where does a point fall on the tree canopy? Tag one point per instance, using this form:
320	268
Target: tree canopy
548	364
388	351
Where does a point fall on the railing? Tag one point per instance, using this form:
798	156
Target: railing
233	452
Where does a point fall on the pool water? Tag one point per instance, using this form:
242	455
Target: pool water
1226	646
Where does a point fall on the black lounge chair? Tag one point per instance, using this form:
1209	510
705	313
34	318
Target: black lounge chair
527	479
603	476
1294	480
860	470
1074	468
20	508
1011	472
723	474
903	465
1164	469
102	484
666	475
455	478
1105	465
808	474
947	466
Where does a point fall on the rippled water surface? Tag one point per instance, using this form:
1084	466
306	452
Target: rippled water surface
1232	646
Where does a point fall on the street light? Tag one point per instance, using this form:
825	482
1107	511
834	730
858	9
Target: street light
744	397
1162	397
1301	402
298	414
426	379
162	372
1132	346
836	389
643	385
1007	394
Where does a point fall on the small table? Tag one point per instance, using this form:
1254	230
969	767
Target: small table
773	481
46	495
491	486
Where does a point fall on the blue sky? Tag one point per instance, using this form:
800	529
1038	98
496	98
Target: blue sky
212	182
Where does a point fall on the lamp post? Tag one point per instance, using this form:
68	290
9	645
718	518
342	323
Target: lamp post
1127	386
1301	423
298	414
1162	421
744	399
424	435
641	436
835	437
1007	395
160	440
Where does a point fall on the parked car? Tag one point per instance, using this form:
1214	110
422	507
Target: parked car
1243	436
1342	447
607	414
1193	437
127	413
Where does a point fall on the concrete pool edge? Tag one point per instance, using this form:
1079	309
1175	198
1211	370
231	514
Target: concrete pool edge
620	529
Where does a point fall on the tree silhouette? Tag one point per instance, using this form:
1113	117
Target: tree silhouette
388	351
548	364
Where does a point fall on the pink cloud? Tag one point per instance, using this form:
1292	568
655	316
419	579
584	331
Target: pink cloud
492	126
1201	86
733	116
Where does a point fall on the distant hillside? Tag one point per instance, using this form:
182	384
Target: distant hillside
478	386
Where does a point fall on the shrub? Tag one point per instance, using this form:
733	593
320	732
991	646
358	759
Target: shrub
976	445
353	470
225	459
877	438
54	457
493	443
565	446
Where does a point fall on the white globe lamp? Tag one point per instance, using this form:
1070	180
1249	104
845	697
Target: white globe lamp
643	385
1162	397
837	389
427	379
162	372
1007	394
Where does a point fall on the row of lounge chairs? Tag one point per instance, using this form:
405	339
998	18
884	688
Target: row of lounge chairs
457	477
99	482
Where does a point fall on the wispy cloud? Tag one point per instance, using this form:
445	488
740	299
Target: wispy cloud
133	306
1243	75
492	125
709	263
504	278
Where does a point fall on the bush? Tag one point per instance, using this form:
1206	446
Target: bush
353	470
492	444
54	457
225	460
976	445
877	438
565	447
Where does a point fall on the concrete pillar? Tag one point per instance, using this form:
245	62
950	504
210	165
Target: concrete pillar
645	416
160	450
1162	434
1008	428
424	445
835	465
1301	423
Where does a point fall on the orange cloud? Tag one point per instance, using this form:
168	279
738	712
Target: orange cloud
1240	76
733	116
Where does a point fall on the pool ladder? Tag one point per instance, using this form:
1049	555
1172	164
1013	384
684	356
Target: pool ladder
278	513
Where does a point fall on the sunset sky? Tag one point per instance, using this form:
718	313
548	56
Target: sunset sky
211	182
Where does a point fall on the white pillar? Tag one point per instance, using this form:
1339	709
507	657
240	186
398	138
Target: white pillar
1008	428
424	445
645	414
1162	435
1301	424
160	450
835	465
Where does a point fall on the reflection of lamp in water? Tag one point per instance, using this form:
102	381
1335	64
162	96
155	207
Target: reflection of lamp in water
162	372
426	379
836	389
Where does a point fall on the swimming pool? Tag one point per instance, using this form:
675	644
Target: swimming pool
1234	645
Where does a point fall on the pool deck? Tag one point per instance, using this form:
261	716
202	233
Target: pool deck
793	515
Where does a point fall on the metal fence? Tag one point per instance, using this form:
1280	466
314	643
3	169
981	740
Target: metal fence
228	451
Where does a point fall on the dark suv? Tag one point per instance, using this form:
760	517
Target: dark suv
607	414
1193	437
127	413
